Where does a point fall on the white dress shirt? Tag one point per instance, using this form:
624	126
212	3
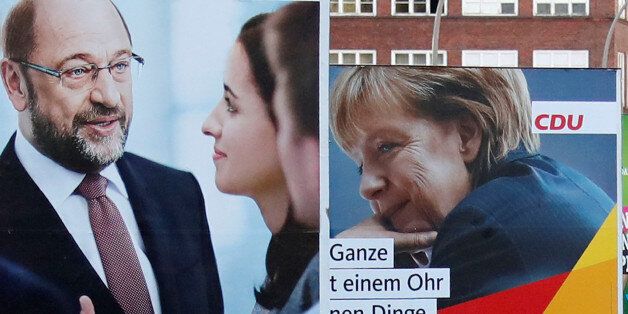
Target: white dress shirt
58	185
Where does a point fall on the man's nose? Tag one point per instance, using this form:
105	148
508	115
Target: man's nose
106	90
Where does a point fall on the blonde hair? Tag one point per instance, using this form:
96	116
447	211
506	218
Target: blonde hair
497	99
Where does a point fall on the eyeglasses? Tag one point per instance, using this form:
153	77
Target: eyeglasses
84	76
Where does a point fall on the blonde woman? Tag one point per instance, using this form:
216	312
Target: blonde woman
451	150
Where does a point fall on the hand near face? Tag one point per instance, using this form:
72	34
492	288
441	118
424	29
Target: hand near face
374	227
87	307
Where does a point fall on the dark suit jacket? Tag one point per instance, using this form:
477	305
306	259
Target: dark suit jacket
170	213
532	219
24	292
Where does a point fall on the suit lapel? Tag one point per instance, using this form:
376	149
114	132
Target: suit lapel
151	221
34	236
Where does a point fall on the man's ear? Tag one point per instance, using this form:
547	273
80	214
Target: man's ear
470	138
14	84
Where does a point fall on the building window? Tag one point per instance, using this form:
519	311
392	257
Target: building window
489	7
352	7
560	58
620	3
490	58
416	7
417	57
352	57
561	7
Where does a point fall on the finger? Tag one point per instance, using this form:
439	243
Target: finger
371	227
410	242
87	307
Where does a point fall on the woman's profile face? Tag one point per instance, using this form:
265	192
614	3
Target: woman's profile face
245	149
413	168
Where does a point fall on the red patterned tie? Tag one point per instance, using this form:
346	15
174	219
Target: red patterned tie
122	268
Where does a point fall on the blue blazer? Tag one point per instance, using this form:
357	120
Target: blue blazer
170	213
532	219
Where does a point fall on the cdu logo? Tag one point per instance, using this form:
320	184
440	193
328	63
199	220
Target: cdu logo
559	122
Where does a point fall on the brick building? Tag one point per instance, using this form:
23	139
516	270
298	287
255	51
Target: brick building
506	33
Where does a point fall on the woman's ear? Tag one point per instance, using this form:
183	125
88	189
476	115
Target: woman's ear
470	138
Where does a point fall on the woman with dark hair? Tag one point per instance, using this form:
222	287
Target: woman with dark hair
247	163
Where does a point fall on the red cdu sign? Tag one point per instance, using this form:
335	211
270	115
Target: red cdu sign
558	122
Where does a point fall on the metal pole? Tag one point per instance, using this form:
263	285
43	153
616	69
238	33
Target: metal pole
609	36
436	31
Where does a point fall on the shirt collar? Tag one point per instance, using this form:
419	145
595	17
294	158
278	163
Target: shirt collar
113	175
56	182
518	153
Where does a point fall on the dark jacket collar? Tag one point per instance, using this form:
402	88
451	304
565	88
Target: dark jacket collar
32	232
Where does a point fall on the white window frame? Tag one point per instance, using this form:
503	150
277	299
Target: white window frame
623	14
466	3
553	7
500	54
356	53
428	58
358	6
571	53
393	8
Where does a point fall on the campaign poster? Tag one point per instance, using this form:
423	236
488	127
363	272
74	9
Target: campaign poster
531	228
186	47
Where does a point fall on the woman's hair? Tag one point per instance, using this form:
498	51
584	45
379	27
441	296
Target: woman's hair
289	252
251	38
292	248
496	99
297	28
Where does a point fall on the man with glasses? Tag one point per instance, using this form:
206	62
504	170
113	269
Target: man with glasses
75	209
